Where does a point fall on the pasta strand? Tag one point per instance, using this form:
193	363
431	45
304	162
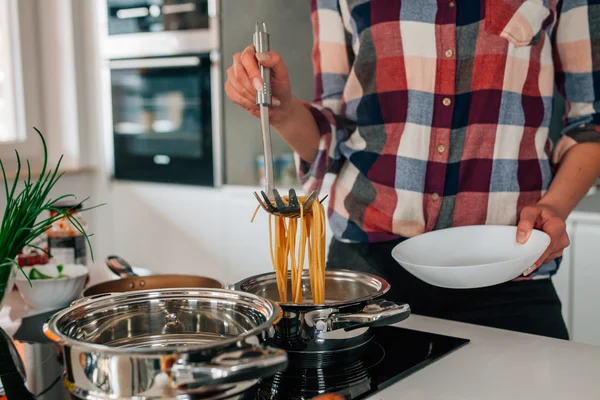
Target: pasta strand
289	251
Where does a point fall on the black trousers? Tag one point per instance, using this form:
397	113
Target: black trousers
524	306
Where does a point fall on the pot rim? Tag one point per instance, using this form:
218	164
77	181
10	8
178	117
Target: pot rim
51	330
385	287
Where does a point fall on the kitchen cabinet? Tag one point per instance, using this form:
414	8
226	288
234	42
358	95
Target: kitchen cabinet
562	279
585	284
578	279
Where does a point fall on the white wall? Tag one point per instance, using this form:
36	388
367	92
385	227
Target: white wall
179	229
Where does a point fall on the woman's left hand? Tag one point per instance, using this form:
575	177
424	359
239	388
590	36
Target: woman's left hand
544	218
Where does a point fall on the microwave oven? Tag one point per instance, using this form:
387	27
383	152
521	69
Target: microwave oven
144	16
148	28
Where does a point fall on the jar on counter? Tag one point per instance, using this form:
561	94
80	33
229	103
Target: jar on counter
34	255
66	244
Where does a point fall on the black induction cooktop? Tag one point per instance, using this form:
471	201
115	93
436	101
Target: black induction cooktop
393	354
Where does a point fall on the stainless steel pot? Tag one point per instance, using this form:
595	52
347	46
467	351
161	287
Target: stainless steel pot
166	344
319	334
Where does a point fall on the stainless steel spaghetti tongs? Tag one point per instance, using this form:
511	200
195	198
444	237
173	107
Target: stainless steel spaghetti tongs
271	201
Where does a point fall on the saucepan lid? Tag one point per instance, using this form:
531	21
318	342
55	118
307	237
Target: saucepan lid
342	288
162	321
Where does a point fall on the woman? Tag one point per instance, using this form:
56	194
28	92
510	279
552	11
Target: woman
432	115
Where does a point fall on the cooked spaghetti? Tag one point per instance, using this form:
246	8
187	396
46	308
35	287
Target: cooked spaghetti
288	251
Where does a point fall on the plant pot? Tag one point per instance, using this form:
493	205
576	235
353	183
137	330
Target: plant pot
8	273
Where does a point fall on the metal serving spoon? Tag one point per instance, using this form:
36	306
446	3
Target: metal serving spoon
264	100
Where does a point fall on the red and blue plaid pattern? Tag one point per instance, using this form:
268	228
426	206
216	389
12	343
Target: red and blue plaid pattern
435	114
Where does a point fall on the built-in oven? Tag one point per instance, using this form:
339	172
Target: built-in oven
161	62
163	119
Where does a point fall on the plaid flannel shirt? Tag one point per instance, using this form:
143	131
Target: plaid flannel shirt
435	114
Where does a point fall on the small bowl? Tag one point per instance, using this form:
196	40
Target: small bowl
55	293
470	256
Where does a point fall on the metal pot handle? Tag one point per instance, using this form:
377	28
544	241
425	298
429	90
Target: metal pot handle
234	366
377	313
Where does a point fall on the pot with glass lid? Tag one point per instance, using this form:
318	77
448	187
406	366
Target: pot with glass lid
166	344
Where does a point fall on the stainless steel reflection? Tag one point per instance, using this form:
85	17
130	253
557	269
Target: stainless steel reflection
216	109
168	343
353	305
373	314
342	287
14	353
16	358
39	365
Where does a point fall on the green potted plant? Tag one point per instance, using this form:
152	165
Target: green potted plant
26	216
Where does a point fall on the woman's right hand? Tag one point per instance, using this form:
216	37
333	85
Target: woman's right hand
244	80
292	120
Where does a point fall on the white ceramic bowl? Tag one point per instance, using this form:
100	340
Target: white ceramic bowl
470	256
51	294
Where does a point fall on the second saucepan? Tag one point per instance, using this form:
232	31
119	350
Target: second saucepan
131	282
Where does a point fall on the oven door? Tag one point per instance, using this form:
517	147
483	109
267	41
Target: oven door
162	120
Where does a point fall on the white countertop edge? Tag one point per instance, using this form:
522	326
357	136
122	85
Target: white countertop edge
499	364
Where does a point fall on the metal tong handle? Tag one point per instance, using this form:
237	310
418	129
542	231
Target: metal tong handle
261	45
264	101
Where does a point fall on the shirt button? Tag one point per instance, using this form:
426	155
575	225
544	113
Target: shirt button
441	148
449	53
451	4
446	101
435	196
